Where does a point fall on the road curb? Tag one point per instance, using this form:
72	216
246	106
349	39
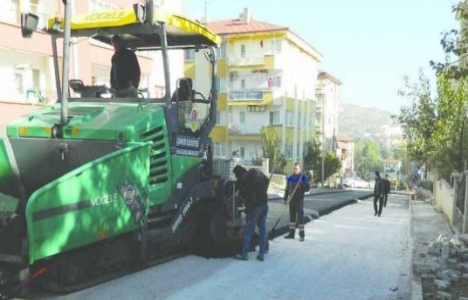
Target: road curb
415	286
311	194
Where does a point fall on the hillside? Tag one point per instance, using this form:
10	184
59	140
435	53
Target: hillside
357	122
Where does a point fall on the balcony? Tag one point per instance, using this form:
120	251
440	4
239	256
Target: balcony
256	96
252	133
265	61
247	61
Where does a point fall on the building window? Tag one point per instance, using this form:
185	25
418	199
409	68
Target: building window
242	152
276	46
242	117
221	117
289	151
274	117
36	77
221	84
19	82
221	51
243	83
289	118
242	50
189	54
219	149
299	120
277	81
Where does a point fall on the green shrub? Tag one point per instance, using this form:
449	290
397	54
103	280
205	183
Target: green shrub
402	186
427	185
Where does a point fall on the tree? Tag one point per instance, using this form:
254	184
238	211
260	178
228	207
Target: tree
313	158
271	148
367	158
434	125
400	153
455	45
313	161
332	164
385	152
419	120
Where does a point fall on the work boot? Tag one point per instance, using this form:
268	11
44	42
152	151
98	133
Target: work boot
290	235
242	256
261	257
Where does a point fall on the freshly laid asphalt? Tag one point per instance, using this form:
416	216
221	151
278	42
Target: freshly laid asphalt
317	203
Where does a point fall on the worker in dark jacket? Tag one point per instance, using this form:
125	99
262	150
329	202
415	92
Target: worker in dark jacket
253	184
386	183
378	193
296	185
125	70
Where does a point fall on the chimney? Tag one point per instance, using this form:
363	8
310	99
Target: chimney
245	16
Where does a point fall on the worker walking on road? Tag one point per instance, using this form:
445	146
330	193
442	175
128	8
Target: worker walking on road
253	184
297	184
386	184
378	193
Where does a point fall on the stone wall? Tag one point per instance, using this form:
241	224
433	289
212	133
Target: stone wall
443	196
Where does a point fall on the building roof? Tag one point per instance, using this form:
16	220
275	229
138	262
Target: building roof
343	138
246	24
390	161
238	26
327	75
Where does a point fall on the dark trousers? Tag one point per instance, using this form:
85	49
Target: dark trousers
296	217
385	197
256	217
380	204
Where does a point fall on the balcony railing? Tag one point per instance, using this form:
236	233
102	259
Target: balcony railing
252	94
243	130
247	61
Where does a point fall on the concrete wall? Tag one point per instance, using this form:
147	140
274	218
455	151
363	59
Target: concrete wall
443	195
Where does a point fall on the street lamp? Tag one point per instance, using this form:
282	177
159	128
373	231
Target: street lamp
460	167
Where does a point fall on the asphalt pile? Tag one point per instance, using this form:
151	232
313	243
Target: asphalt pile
444	267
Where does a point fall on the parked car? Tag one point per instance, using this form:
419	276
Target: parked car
356	182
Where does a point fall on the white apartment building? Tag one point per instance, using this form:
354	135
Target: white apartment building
328	96
267	79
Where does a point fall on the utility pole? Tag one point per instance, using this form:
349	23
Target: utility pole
321	99
206	10
323	140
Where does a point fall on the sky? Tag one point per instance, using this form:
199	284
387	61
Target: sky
370	45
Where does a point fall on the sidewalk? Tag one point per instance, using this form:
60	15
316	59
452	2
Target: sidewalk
427	225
